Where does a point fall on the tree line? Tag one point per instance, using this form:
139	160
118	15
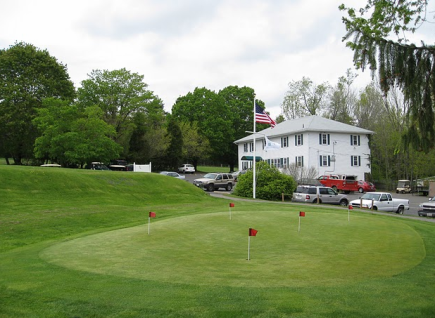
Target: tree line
112	115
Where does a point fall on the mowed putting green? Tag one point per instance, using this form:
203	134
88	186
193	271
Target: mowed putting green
212	249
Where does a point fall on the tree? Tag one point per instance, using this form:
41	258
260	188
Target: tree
398	63
369	109
195	145
174	151
342	99
304	98
72	137
120	94
27	76
213	117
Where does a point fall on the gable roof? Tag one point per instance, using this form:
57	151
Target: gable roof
308	124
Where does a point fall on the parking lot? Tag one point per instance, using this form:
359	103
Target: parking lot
414	200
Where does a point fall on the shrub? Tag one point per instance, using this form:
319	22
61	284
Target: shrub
270	183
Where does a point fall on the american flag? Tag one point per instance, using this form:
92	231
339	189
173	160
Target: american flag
262	117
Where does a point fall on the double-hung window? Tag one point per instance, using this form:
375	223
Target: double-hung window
299	140
284	142
325	161
355	161
324	139
299	160
355	140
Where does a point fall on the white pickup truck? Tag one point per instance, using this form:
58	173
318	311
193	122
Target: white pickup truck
381	201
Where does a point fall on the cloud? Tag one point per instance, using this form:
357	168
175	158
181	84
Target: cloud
180	45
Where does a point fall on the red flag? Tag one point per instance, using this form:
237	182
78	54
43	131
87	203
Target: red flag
231	205
350	207
152	214
301	213
252	232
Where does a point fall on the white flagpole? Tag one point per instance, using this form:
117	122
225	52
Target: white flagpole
230	212
249	245
254	159
299	227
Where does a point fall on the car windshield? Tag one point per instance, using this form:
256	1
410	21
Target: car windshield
371	196
210	176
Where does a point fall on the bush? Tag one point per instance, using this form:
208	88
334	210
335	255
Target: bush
270	183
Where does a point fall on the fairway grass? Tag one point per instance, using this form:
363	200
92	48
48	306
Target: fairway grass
75	244
211	249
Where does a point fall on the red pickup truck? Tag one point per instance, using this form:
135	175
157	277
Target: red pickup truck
346	184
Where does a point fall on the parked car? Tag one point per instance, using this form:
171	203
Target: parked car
98	166
186	168
237	174
427	208
381	201
321	194
215	181
173	174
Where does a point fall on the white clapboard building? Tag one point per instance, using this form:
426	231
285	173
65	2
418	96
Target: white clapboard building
329	146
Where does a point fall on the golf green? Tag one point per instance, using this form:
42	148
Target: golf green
212	249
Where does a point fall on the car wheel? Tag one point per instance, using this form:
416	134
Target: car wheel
360	190
400	210
229	186
210	187
344	202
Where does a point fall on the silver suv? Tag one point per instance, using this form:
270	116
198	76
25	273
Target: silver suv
214	181
321	194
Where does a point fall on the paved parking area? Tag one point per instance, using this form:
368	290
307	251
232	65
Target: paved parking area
414	200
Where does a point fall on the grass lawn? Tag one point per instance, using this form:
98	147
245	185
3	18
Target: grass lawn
75	244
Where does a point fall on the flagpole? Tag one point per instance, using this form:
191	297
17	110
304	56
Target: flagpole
299	227
254	159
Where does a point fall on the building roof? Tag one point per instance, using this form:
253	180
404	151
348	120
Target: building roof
308	124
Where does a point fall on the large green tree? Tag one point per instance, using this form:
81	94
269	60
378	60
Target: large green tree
370	34
120	94
213	117
27	76
73	137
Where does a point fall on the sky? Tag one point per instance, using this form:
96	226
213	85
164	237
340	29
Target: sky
180	45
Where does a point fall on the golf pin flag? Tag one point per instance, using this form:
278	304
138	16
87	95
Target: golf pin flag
301	214
150	215
252	232
350	207
231	206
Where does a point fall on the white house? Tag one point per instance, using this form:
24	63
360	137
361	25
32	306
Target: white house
329	146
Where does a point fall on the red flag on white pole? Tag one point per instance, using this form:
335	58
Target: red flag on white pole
231	206
150	215
350	207
301	214
252	232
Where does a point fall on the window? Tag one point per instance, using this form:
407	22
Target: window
284	142
323	190
355	140
355	161
245	147
299	161
324	139
299	140
251	147
325	161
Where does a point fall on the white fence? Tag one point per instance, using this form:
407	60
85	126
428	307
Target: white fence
142	168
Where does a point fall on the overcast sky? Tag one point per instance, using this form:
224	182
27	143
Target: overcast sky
180	45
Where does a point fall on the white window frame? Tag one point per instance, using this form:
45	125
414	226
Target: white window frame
284	142
299	140
325	161
355	161
324	139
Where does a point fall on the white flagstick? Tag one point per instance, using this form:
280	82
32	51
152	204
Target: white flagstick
230	211
299	227
149	222
249	244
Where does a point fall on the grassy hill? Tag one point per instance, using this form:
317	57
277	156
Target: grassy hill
74	243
